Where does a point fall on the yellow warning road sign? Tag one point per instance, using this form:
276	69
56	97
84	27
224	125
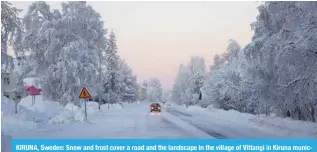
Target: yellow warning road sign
84	93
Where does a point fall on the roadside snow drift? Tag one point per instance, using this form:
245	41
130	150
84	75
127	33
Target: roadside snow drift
11	122
48	108
69	114
233	124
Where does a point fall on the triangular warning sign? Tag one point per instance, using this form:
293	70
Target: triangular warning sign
84	93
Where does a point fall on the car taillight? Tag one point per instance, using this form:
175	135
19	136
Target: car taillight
158	107
151	107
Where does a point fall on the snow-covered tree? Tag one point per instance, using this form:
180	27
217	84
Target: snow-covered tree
113	78
181	84
189	81
128	83
38	39
276	71
65	47
154	90
197	72
284	56
167	95
222	87
11	33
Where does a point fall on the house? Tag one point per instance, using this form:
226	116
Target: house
128	97
142	92
9	84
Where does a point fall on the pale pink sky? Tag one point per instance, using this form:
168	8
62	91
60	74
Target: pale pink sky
155	37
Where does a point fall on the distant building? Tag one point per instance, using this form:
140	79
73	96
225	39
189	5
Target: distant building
128	97
142	92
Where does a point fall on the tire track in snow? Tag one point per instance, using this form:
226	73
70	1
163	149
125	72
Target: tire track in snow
182	115
189	128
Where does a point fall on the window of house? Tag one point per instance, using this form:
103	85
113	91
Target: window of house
6	94
6	81
18	95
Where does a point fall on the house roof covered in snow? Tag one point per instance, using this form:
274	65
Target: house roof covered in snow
142	86
126	94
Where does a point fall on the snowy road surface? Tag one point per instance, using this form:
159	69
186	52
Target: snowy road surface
133	121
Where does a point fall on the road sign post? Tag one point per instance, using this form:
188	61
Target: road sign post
84	94
16	106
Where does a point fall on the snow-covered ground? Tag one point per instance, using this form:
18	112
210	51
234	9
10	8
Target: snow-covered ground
5	143
233	124
48	119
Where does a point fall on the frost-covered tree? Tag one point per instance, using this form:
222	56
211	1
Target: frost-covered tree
11	33
181	84
277	71
197	72
154	90
223	86
65	46
113	78
144	83
128	83
284	56
167	95
38	39
189	81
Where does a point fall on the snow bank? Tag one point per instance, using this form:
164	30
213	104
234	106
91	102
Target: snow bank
285	126
282	127
45	112
7	106
115	106
92	108
75	114
47	108
11	122
67	115
8	109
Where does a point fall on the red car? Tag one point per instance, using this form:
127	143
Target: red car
155	107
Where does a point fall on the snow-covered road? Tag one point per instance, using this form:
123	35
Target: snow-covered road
133	121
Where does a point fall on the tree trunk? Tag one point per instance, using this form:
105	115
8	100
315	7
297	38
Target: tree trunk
288	113
16	106
299	114
312	112
99	103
